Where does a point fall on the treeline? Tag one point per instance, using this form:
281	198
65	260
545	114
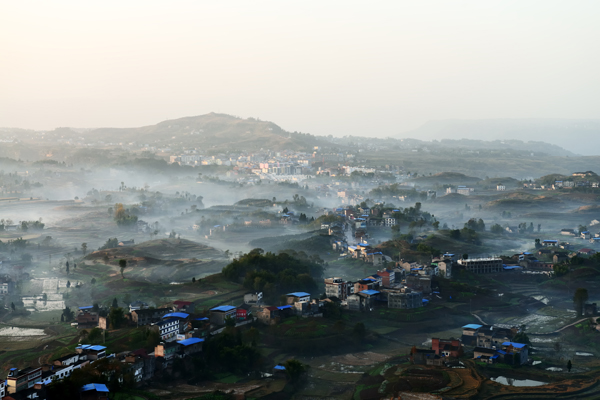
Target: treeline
274	274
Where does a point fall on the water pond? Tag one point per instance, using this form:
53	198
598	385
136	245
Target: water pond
517	382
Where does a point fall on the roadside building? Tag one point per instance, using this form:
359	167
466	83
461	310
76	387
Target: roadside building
482	265
219	315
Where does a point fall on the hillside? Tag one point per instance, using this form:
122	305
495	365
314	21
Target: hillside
454	178
163	260
218	131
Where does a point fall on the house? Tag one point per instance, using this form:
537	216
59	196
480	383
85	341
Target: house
298	297
137	305
403	298
91	352
419	283
185	306
269	315
167	328
482	265
365	284
147	316
518	351
279	371
86	318
589	252
425	357
354	302
66	360
18	380
191	346
485	355
167	350
368	297
444	269
94	391
490	336
388	277
446	347
567	232
219	315
253	298
125	243
337	287
469	335
559	258
586	235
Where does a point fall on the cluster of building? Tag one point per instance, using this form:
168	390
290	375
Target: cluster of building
377	290
490	344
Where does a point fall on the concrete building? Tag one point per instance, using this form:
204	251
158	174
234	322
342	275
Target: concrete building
404	298
219	315
482	265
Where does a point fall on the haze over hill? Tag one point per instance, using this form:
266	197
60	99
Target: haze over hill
580	136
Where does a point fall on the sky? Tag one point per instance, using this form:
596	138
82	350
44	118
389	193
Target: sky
322	67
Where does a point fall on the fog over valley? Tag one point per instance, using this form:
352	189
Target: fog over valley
299	201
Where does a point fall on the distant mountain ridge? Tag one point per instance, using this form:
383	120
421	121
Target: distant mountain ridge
212	130
579	136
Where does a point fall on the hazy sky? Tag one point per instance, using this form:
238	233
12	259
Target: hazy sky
324	67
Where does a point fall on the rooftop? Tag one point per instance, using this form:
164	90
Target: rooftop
98	387
472	326
190	341
223	308
176	315
370	292
299	294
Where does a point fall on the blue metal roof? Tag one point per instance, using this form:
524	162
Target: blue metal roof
284	307
223	308
202	319
98	387
190	341
512	267
91	347
472	326
279	367
86	308
370	279
550	241
425	301
299	294
515	345
370	292
176	315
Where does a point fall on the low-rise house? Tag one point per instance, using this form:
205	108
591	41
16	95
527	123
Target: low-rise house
91	352
243	311
167	350
94	391
87	318
485	355
425	357
125	243
469	334
219	315
492	337
516	353
298	297
550	242
148	316
586	235
269	315
191	346
66	360
447	347
568	232
403	298
18	380
253	298
419	283
183	306
587	251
